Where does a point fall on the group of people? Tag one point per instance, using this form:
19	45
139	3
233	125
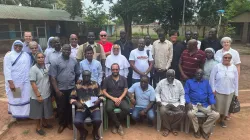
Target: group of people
180	78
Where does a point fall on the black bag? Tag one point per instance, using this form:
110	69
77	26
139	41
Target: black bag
235	106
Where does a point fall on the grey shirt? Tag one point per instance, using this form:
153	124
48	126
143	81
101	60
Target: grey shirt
65	71
52	57
40	76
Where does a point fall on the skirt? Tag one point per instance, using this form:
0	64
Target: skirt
223	102
41	110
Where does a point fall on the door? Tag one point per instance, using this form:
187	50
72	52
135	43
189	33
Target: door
42	37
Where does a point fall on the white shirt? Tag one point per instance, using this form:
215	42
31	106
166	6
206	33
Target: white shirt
141	61
199	44
74	51
235	56
224	80
148	47
170	93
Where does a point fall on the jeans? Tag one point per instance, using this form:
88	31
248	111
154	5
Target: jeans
137	110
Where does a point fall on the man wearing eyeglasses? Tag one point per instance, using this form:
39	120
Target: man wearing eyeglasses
104	42
74	45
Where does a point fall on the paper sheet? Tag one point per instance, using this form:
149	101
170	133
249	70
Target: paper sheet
90	102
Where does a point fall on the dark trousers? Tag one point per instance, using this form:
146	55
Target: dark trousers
135	81
129	78
171	117
158	76
64	108
110	106
81	116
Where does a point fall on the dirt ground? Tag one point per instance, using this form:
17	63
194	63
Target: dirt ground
238	126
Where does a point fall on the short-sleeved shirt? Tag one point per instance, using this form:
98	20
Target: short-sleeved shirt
143	98
141	59
99	53
65	72
107	46
190	63
41	77
115	88
235	56
52	57
74	51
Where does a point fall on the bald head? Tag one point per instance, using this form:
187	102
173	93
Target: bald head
192	45
103	36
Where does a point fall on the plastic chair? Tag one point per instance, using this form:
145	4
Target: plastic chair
158	119
87	120
116	110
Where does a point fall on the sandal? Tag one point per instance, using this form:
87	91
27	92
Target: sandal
48	126
175	132
165	133
40	132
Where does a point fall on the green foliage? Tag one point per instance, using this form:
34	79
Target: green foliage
95	16
31	3
61	4
236	7
9	2
74	7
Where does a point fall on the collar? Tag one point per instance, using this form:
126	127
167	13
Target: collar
170	84
193	53
145	90
56	51
95	44
162	42
197	81
148	45
77	46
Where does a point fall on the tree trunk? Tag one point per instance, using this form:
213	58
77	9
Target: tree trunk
127	20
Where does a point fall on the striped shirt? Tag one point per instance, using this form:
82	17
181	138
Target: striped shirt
190	63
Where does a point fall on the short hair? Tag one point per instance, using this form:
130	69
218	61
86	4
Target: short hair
172	32
33	43
38	54
66	45
160	30
115	64
171	71
88	48
27	32
144	76
225	39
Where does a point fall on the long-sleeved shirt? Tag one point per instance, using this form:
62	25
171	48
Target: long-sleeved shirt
224	79
199	92
94	67
26	48
170	93
163	54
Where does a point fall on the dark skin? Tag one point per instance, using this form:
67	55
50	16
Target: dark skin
147	40
188	35
144	86
123	36
209	54
212	35
161	36
66	50
91	37
56	44
141	46
195	35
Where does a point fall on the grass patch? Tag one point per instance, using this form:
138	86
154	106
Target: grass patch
26	132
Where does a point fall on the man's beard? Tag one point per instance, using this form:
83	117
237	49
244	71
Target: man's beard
115	74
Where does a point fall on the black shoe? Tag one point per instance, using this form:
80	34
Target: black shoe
83	135
95	135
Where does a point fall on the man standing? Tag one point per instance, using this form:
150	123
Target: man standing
27	39
163	54
170	98
140	61
74	45
126	48
64	74
196	37
83	93
188	36
191	59
212	41
178	48
200	100
99	53
92	65
115	89
52	56
142	95
148	45
107	46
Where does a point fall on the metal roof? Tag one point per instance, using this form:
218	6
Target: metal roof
34	13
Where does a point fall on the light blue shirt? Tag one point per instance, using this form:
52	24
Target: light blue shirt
143	98
94	67
26	48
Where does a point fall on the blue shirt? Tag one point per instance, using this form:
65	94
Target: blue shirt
26	48
199	92
143	98
94	67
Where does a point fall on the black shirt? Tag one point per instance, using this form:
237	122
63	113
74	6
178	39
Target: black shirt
126	47
115	88
208	43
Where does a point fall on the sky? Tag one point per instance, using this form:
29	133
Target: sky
106	4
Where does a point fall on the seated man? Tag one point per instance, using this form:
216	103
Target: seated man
199	97
170	98
115	88
86	92
144	99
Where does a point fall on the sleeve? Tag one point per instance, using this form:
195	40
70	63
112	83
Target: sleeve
47	58
212	77
187	91
150	58
32	75
105	84
170	56
158	92
103	55
79	54
77	71
7	68
236	81
236	58
152	95
210	94
53	70
182	94
125	83
132	89
100	74
126	71
131	56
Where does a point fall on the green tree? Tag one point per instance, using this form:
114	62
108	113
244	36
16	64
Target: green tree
9	2
31	3
236	7
74	7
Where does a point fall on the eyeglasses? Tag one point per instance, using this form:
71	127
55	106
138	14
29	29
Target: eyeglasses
103	35
227	57
114	69
74	39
